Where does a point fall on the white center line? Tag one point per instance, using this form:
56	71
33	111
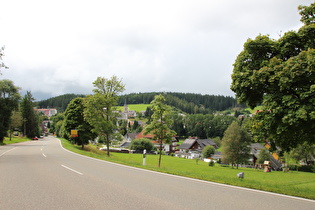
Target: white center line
44	155
72	170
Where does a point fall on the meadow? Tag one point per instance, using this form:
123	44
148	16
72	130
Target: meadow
14	139
134	107
301	184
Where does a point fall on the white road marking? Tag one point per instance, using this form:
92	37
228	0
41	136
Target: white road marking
192	179
72	170
7	151
44	155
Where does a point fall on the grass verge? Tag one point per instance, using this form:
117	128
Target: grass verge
14	139
301	184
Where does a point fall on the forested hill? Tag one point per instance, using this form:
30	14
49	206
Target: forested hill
190	103
59	102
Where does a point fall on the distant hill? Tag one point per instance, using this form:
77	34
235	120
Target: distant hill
190	103
59	102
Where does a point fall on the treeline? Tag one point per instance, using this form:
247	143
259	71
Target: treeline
190	103
59	102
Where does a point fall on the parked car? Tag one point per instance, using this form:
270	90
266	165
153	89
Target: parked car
35	138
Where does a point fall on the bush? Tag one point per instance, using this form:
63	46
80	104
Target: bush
208	151
307	168
211	163
141	144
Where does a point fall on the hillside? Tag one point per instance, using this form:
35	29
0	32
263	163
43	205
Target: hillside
59	102
190	103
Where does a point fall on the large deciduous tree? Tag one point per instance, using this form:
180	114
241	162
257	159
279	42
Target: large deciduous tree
9	98
280	75
160	124
235	145
99	107
74	120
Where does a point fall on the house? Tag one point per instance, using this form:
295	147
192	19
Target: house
47	112
192	147
167	148
130	136
255	150
195	144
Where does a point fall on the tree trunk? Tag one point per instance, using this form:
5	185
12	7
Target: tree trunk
160	157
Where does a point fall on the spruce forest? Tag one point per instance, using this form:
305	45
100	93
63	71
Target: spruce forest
189	103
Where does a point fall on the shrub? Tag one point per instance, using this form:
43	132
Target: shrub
141	144
211	163
208	151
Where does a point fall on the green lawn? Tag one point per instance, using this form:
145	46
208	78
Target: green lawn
14	139
294	183
135	107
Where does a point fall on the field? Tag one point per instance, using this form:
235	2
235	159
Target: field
301	184
135	107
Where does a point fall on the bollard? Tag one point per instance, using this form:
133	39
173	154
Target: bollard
144	157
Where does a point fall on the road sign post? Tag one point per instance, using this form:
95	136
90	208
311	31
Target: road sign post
144	156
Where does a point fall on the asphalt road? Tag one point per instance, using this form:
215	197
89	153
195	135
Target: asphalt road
42	175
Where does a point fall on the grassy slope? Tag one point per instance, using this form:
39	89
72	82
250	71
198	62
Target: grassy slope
294	183
135	107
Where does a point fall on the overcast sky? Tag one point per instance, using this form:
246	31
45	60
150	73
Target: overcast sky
62	46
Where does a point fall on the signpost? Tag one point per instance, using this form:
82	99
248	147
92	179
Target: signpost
74	133
144	156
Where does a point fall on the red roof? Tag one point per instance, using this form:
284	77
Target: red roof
141	135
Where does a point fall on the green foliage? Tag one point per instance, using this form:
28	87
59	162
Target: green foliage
211	163
59	102
100	106
57	124
187	102
280	74
307	13
161	122
207	151
264	155
9	98
304	152
142	144
30	116
235	145
74	120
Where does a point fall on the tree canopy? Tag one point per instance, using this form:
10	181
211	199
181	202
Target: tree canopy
9	98
30	116
280	75
235	145
74	119
160	124
99	107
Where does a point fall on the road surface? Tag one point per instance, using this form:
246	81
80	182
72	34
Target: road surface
42	175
